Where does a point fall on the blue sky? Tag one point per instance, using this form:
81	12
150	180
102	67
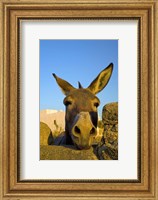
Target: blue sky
73	61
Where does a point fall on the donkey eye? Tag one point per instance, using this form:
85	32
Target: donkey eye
67	102
96	104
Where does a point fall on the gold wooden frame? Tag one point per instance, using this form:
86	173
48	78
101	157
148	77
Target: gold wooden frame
11	13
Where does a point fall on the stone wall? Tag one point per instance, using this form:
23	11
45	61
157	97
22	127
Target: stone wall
108	147
110	121
49	152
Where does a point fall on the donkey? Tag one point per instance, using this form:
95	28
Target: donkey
81	110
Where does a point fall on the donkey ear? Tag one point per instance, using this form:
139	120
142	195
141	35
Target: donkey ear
64	85
101	80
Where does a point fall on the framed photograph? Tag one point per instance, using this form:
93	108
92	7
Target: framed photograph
79	126
79	100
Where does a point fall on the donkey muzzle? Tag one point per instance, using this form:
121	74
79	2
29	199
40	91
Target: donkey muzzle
83	131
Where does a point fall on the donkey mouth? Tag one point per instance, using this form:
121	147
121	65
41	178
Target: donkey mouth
79	145
83	147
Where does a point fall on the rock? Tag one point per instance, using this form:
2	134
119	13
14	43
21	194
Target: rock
110	114
108	148
45	134
110	121
52	152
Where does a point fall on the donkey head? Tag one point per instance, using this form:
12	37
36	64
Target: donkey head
81	109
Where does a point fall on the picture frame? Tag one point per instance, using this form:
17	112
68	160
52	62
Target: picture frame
12	13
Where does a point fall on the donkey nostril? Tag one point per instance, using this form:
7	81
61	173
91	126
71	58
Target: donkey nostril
92	131
77	130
